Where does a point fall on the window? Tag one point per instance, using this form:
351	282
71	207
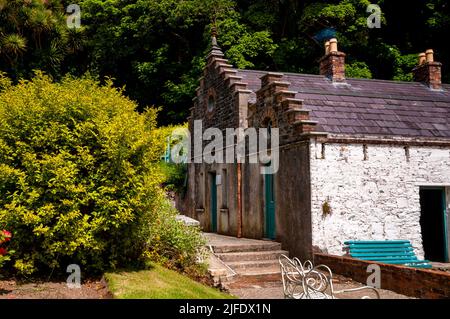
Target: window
211	103
268	124
269	129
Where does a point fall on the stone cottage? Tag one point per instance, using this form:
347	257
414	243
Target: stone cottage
359	159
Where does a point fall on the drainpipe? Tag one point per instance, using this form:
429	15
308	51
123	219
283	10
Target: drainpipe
239	200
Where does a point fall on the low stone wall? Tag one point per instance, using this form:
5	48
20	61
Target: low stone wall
413	282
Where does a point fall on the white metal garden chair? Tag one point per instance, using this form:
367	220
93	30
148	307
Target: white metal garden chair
304	281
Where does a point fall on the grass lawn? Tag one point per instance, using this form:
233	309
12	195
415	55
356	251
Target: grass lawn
159	283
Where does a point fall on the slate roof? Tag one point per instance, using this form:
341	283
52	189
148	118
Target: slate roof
368	107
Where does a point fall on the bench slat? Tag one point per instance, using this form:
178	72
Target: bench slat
391	250
396	252
381	255
395	261
376	242
386	258
421	266
402	246
402	262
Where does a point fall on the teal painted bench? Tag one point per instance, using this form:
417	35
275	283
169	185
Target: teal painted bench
396	252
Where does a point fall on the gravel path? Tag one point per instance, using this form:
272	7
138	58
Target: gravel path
11	289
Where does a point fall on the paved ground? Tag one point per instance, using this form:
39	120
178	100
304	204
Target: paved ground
269	286
275	290
217	240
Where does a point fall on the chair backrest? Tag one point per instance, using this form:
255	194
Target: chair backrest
291	276
305	280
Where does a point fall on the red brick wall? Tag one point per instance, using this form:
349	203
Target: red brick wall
414	282
430	74
332	66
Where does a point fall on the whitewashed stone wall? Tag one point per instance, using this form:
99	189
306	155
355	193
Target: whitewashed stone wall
447	217
372	199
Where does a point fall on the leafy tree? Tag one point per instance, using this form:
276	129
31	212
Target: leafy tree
244	48
357	70
159	46
156	48
34	35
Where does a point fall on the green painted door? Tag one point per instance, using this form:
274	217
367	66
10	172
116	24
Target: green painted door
269	206
213	202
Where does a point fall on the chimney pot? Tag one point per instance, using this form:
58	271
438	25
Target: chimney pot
422	58
430	55
327	47
333	45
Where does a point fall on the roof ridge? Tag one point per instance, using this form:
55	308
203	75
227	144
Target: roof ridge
321	76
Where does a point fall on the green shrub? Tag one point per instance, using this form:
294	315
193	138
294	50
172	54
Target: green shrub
172	243
174	176
79	176
358	70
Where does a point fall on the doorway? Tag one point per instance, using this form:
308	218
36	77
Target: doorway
269	206
213	202
433	223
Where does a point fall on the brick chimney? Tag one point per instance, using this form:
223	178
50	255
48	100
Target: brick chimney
428	71
332	64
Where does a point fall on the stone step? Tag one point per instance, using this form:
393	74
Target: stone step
258	273
252	255
257	279
262	281
237	265
247	247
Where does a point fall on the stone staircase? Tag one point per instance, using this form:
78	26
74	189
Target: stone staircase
252	262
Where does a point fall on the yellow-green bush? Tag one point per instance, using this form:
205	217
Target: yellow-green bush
172	243
79	175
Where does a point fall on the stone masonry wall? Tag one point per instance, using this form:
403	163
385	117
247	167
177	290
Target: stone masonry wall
371	192
221	102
